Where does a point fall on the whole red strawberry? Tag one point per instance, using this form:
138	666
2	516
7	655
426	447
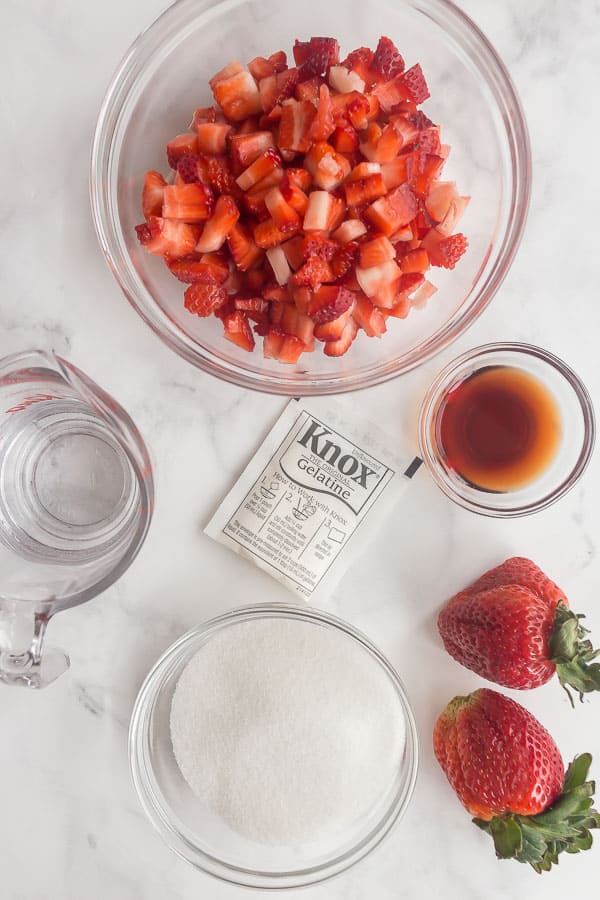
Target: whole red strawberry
508	773
513	627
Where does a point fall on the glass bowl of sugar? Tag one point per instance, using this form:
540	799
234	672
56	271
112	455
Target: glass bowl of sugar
273	747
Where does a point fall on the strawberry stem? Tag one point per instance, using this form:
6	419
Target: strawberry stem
565	826
572	654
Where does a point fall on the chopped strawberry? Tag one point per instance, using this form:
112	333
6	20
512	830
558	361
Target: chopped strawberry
259	169
422	169
152	194
448	251
251	305
453	216
182	145
387	60
391	212
339	347
279	264
309	90
314	272
237	95
231	69
267	234
316	57
219	225
209	267
439	199
368	317
202	298
376	252
285	217
273	342
291	349
323	125
188	202
316	245
187	170
376	278
276	88
243	249
345	81
216	172
278	294
300	177
320	209
255	279
328	168
415	261
365	190
414	82
328	303
294	127
390	93
394	173
260	68
401	307
334	328
246	148
168	237
293	195
238	330
294	253
359	61
349	230
202	115
409	282
345	139
212	137
388	145
344	258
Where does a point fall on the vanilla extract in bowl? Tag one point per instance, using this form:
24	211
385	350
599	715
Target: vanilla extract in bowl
500	428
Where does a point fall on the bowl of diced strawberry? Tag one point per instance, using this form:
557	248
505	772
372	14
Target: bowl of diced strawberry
310	214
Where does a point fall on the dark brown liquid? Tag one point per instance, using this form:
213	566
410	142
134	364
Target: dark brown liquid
500	428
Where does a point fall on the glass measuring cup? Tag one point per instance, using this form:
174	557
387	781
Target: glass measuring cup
76	499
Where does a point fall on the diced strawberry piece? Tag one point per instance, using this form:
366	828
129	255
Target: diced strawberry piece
365	190
357	110
219	225
294	127
368	317
388	145
291	349
273	179
313	273
261	68
169	237
339	347
415	261
394	173
414	82
401	307
246	148
255	279
302	296
359	61
284	216
387	295
309	90
391	212
409	282
259	169
368	147
363	170
243	249
276	88
209	267
453	216
238	331
254	201
305	329
317	57
390	93
182	145
319	211
293	195
316	245
294	252
237	96
334	328
439	199
267	234
349	230
387	60
376	252
251	304
328	303
406	128
323	125
144	235
421	296
402	236
448	251
273	343
344	259
277	294
337	214
202	115
279	264
231	69
328	168
422	169
289	318
216	172
152	194
374	279
188	202
278	60
202	298
187	170
429	141
300	177
212	137
345	139
345	81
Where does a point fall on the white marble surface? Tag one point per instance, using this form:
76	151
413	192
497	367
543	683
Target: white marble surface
71	826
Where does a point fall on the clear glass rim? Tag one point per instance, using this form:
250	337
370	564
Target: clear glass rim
139	756
105	217
428	412
133	446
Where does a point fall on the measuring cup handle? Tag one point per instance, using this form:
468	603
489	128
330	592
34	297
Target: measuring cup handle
24	660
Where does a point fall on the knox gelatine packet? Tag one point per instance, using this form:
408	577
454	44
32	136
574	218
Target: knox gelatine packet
313	496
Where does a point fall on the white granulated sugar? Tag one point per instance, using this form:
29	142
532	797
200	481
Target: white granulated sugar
288	730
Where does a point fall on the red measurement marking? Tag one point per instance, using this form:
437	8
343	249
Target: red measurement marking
29	401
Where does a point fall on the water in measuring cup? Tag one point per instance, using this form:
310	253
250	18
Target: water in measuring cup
69	496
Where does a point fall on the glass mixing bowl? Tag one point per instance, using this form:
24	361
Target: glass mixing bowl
202	838
164	76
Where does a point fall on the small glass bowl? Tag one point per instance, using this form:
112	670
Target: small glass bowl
198	835
164	76
571	458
